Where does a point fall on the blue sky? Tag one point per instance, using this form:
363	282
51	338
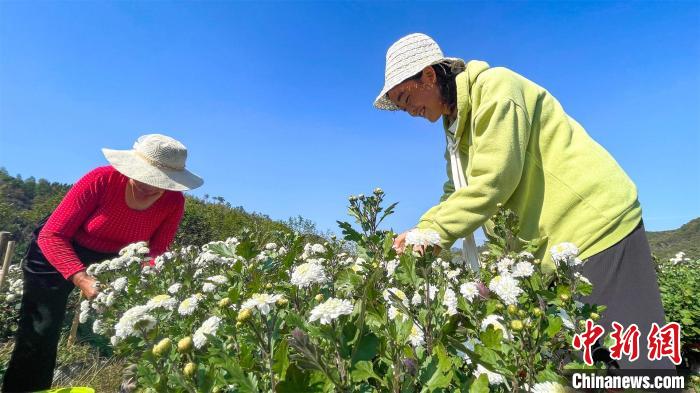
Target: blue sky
274	100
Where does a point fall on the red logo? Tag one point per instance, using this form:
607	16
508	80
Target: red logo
665	342
586	339
626	342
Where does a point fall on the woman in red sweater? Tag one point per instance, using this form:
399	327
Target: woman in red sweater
137	198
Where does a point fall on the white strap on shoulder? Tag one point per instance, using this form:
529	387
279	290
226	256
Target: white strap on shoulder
469	252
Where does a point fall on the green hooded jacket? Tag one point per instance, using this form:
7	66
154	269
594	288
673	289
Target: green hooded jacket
518	147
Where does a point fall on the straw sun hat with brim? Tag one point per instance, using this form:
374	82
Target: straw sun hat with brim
405	58
156	160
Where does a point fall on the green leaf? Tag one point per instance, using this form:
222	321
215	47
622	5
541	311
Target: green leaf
244	383
554	324
349	233
363	371
280	361
297	381
492	338
480	385
367	348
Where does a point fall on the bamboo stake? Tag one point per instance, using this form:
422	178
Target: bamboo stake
74	325
9	250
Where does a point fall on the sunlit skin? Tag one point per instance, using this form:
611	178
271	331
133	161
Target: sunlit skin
420	97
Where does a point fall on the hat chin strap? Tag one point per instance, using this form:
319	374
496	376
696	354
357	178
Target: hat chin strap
156	163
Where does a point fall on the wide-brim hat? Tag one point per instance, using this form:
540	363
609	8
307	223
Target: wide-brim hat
157	160
405	58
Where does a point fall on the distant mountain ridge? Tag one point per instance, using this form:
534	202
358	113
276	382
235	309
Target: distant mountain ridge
665	244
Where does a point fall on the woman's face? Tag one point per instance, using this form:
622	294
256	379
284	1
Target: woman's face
144	190
420	97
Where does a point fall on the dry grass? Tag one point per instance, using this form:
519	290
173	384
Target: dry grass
78	365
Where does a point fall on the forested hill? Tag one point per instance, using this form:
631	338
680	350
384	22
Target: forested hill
666	244
24	202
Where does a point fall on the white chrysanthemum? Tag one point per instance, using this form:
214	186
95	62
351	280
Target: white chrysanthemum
262	301
469	290
494	378
416	337
135	248
162	301
504	265
119	284
550	387
453	274
416	299
506	287
580	277
162	259
173	289
307	274
117	263
523	269
114	340
188	305
418	237
565	253
271	246
449	300
98	327
208	287
318	249
330	310
394	312
282	250
390	267
526	255
111	297
135	321
495	321
85	305
209	327
83	317
396	292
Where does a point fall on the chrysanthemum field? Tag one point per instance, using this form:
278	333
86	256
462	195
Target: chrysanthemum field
348	315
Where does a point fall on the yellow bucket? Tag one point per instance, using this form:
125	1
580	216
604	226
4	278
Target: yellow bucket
69	390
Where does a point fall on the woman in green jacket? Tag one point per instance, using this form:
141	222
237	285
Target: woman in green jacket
510	142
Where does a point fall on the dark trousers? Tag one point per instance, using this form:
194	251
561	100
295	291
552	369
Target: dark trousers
42	312
624	280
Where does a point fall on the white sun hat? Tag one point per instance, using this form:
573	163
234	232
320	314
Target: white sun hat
404	59
157	160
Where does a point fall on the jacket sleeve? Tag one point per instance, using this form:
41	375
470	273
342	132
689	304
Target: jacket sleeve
501	133
55	238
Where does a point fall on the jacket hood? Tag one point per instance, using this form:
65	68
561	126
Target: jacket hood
464	81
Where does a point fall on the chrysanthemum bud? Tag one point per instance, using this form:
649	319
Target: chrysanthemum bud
537	311
536	261
185	345
499	306
512	309
499	205
189	369
516	325
162	348
595	316
319	297
522	313
564	297
378	191
268	285
244	315
282	302
239	324
225	302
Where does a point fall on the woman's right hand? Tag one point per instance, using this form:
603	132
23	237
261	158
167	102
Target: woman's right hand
86	284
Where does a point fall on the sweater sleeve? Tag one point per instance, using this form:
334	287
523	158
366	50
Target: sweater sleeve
501	134
55	239
164	235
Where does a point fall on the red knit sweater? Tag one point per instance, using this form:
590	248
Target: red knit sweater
94	214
